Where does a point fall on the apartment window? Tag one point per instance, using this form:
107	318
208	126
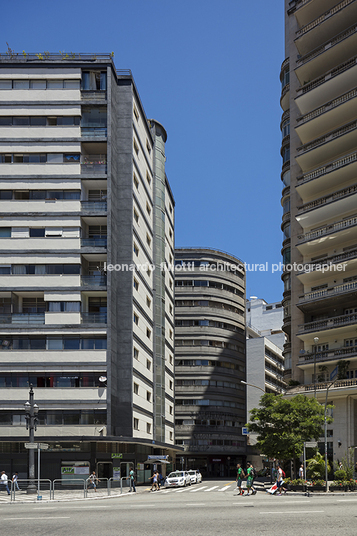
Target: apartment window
148	333
148	240
171	410
136	424
148	364
136	148
148	396
136	389
171	436
148	208
136	182
136	354
136	249
136	284
148	147
171	385
148	178
170	233
170	208
136	216
136	319
148	428
5	232
148	301
171	309
21	84
171	334
94	80
171	359
136	113
37	232
170	284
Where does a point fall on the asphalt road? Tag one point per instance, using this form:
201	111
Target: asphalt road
200	510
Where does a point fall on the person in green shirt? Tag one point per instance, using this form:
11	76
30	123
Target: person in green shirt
250	478
240	476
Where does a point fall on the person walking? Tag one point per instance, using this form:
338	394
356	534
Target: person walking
154	486
240	476
132	480
93	480
4	481
14	480
249	478
279	479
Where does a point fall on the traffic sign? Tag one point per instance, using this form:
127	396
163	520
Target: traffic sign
30	445
310	444
43	446
245	430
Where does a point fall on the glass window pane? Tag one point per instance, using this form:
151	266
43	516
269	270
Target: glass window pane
37	84
38	121
5	84
5	121
54	344
71	84
71	344
21	121
21	84
54	84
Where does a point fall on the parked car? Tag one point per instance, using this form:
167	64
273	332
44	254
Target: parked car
178	478
195	476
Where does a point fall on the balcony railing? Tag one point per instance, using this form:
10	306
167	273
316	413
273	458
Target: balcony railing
327	76
325	46
93	164
94	206
311	267
328	229
327	199
22	318
94	280
323	17
94	132
327	137
341	162
94	242
326	107
328	292
93	318
328	323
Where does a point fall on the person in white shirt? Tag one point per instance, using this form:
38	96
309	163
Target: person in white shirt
301	472
279	479
14	480
4	481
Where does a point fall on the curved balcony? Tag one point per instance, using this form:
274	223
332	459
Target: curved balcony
331	145
326	207
312	267
327	55
325	25
328	293
328	176
327	230
329	86
330	355
308	10
328	323
285	98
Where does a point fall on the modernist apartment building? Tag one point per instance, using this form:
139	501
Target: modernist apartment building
87	215
210	359
265	361
319	198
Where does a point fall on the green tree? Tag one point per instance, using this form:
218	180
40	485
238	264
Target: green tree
316	467
283	425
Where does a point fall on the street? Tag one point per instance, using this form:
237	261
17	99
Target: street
206	509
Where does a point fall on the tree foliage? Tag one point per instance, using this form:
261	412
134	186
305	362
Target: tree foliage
283	425
316	467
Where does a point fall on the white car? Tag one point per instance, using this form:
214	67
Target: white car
196	477
178	478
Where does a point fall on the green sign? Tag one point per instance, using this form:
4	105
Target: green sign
115	455
67	470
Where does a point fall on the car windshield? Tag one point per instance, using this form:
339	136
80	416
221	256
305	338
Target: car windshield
191	472
175	475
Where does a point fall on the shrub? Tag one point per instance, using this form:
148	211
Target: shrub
340	474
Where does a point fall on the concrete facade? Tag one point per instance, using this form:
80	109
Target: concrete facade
319	195
78	180
210	360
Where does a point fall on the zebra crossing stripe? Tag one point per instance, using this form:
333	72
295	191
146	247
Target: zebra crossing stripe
210	489
198	489
224	489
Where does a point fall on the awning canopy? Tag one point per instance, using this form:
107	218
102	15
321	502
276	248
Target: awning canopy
158	460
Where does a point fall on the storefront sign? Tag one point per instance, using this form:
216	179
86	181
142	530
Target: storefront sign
116	455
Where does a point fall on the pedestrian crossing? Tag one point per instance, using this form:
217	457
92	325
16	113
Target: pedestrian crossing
189	489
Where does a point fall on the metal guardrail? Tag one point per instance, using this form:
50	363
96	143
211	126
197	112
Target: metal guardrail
40	485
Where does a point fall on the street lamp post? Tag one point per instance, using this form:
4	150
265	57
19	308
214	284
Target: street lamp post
325	429
251	385
316	340
31	410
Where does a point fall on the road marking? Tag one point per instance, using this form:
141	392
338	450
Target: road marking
181	490
295	512
198	489
346	500
195	504
210	489
224	489
33	518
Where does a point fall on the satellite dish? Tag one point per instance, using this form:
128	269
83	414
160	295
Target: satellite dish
103	379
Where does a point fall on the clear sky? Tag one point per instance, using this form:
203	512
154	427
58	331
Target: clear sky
208	70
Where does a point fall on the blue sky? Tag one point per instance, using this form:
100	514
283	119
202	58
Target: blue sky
209	72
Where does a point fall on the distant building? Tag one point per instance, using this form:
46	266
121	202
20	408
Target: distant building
265	362
210	360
